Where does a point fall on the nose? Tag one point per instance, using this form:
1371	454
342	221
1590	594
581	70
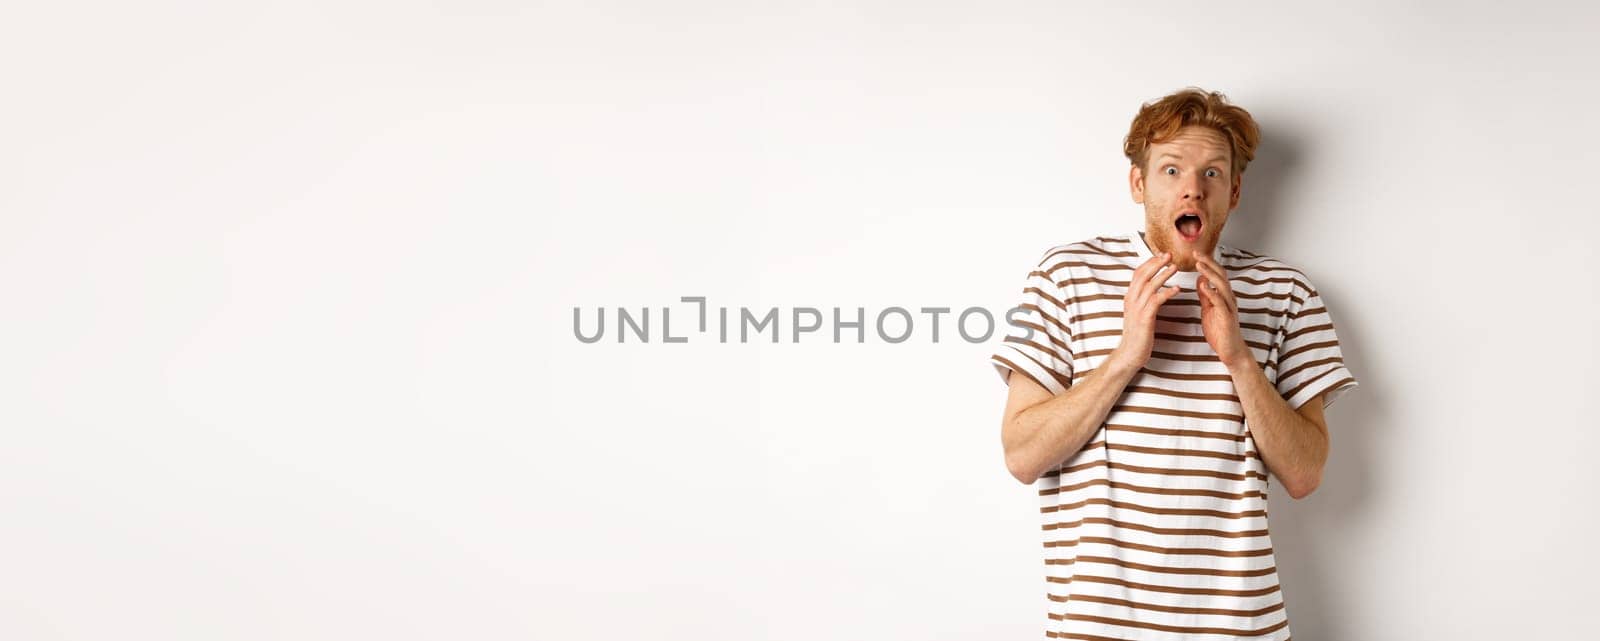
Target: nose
1191	190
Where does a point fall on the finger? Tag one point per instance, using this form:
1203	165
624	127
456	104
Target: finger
1161	296
1160	278
1136	284
1225	292
1213	296
1150	266
1224	285
1148	286
1152	286
1137	279
1210	295
1204	265
1219	282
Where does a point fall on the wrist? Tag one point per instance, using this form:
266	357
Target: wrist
1118	367
1241	364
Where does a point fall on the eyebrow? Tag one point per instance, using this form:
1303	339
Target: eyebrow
1167	154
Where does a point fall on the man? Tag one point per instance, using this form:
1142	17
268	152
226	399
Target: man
1156	377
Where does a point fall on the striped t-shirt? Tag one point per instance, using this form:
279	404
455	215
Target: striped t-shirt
1157	527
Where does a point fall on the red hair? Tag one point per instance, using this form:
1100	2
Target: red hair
1159	121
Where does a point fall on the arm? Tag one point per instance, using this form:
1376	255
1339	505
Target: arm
1293	444
1039	430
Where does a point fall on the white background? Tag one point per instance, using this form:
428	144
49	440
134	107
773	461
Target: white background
288	288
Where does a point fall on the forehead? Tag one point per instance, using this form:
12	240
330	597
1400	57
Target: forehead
1193	143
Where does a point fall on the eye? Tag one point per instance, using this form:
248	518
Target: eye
1171	171
1212	173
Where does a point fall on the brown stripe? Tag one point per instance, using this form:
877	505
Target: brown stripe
1177	628
1094	353
1080	281
1177	394
1269	295
1018	370
1016	340
1268	281
1291	393
1172	589
1189	358
1080	263
1050	272
1173	531
1065	381
1284	358
1090	297
1240	554
1045	295
1257	266
1305	330
1049	317
1100	334
1094	278
1226	436
1263	311
1176	376
1257	326
1053	340
1309	312
1159	374
1087	250
1178	610
1077	636
1268	270
1140	409
1181	301
1201	338
1094	315
1174	511
1159	491
1080	373
1178	452
1169	570
1165	470
1321	361
1157	354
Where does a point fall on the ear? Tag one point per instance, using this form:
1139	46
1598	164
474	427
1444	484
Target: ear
1136	184
1233	193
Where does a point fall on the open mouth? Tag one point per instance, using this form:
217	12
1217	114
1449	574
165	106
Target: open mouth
1189	226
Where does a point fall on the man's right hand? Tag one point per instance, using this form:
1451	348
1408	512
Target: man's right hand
1139	306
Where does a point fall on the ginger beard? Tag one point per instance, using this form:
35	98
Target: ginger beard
1187	193
1168	231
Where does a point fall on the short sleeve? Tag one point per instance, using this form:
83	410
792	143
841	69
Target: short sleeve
1038	341
1309	360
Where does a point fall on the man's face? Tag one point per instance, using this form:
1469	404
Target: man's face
1187	188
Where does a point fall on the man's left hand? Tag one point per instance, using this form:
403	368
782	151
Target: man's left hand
1219	313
